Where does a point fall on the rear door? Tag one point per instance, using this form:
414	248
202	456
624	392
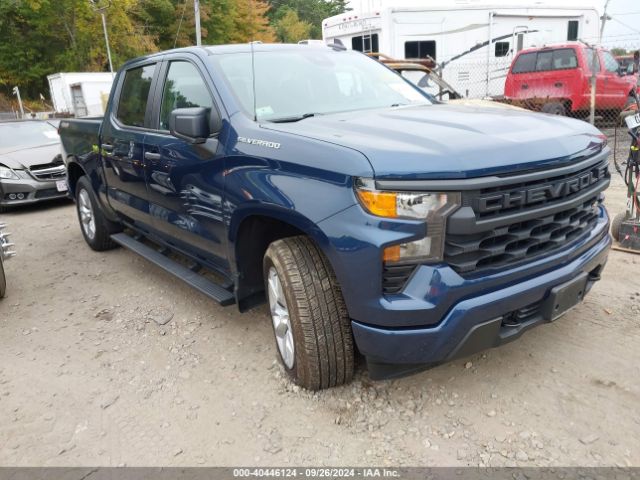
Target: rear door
185	181
122	140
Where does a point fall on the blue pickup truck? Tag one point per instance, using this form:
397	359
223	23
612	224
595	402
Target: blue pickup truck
370	217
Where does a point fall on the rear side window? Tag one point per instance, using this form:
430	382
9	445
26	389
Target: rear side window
183	88
525	63
132	105
561	59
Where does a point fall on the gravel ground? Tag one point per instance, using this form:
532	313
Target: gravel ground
106	360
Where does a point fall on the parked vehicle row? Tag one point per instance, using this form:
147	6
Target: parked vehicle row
368	216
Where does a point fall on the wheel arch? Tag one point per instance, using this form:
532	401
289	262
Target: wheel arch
251	231
74	172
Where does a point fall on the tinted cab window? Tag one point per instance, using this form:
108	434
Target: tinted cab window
132	105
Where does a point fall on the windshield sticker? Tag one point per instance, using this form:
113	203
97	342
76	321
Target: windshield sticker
260	111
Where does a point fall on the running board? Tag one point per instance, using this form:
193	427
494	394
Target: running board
212	290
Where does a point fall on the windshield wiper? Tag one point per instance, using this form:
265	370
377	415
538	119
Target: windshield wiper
294	119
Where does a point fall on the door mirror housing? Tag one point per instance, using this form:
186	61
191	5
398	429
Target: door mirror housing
194	125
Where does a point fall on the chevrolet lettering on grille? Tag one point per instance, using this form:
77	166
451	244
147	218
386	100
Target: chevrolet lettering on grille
523	197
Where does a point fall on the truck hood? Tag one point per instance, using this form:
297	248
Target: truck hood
451	141
23	158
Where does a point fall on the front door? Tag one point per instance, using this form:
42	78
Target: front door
185	181
122	141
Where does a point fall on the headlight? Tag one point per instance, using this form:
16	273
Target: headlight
433	207
7	174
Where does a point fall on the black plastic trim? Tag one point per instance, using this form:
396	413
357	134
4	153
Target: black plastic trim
495	181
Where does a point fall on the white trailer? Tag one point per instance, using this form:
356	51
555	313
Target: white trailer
83	94
472	41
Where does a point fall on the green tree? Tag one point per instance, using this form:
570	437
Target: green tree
310	11
289	28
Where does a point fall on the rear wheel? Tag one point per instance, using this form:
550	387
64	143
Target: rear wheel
96	228
555	108
310	320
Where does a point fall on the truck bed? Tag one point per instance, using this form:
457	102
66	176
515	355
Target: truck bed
80	135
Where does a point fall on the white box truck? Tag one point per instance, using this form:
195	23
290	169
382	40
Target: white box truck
82	94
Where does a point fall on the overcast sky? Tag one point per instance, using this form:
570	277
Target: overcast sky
623	30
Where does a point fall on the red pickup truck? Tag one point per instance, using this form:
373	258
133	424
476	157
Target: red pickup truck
557	79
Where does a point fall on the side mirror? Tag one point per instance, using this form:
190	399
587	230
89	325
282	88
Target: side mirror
194	125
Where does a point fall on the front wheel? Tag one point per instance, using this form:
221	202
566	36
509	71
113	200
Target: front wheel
310	320
96	228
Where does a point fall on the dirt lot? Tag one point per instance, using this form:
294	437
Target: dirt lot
89	376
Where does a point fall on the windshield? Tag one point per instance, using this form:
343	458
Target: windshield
292	84
15	135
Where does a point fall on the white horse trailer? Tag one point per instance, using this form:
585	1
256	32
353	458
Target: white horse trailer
472	42
83	94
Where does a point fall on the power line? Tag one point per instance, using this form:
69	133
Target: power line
624	24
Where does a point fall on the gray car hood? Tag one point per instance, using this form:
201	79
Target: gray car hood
24	158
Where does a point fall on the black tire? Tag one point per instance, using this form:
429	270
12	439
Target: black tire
104	228
616	224
555	108
3	280
320	324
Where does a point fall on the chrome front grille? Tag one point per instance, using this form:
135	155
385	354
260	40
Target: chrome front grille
49	172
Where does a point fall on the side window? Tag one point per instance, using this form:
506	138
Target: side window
134	94
610	63
588	52
525	63
183	88
420	49
572	30
502	49
365	43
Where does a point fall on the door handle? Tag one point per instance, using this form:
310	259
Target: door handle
107	147
152	156
558	84
524	86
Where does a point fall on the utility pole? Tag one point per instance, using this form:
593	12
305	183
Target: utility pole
16	92
101	9
594	60
196	8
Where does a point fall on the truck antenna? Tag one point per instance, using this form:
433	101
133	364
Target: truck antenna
253	64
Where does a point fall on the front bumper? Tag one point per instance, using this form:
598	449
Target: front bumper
32	190
473	324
